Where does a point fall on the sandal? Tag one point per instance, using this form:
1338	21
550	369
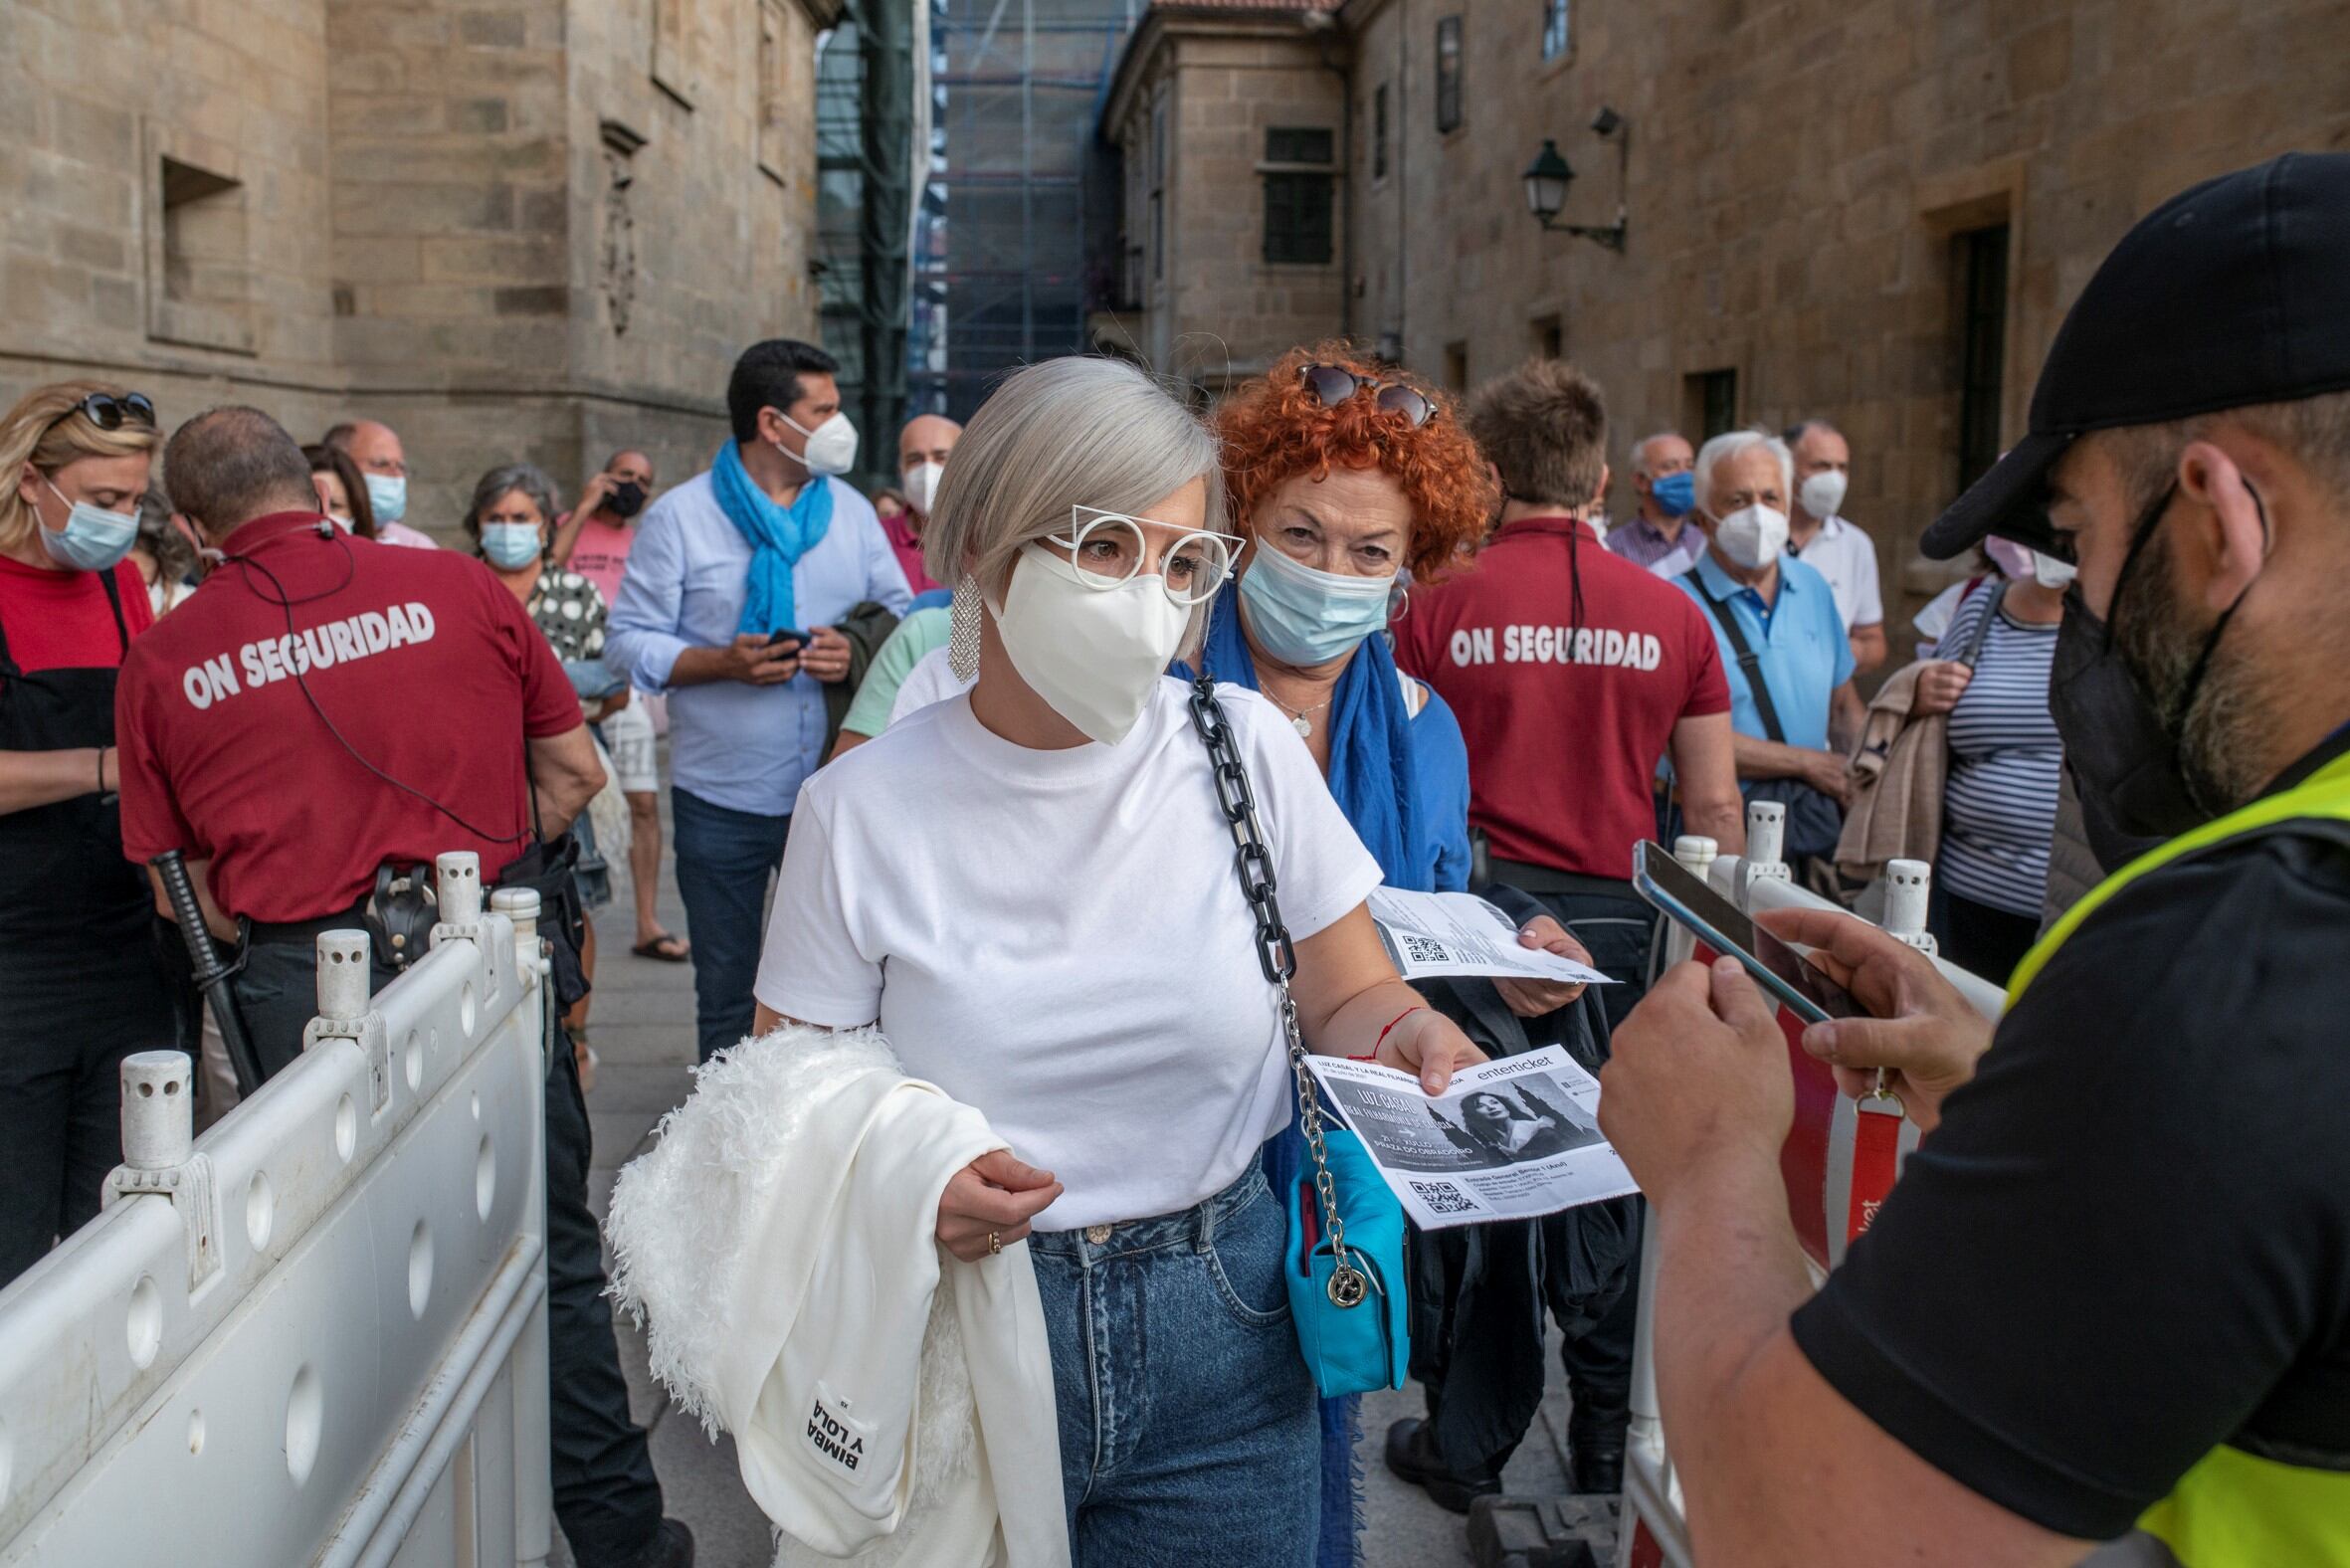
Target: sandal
668	947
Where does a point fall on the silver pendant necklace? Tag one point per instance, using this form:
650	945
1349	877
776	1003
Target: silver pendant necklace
1302	719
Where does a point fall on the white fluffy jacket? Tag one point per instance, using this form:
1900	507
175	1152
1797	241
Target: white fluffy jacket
889	1404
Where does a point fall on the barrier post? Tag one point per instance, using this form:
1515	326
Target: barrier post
158	1158
1908	889
1766	842
534	1515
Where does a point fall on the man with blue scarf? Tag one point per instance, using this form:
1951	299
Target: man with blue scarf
729	604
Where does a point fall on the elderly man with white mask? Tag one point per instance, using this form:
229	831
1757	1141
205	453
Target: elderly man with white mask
1839	548
923	447
1783	645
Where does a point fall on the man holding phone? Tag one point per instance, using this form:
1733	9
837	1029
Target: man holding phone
728	603
2109	1298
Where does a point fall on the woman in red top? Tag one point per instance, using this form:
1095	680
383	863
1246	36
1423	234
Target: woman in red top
82	982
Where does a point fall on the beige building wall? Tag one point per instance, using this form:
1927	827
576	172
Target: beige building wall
1798	175
528	229
1216	311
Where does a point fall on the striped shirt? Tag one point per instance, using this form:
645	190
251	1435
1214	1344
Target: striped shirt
1998	803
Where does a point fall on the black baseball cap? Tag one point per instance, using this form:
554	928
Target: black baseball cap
2231	292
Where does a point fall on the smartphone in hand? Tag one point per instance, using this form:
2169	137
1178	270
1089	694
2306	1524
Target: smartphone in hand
1793	980
787	635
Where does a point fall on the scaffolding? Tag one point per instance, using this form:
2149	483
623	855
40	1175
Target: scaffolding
871	97
1000	247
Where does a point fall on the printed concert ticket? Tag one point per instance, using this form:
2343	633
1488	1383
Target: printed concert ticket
1509	1139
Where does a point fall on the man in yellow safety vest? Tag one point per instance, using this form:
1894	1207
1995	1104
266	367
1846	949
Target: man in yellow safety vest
2105	1313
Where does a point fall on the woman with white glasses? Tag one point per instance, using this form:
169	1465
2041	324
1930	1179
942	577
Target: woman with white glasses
1031	886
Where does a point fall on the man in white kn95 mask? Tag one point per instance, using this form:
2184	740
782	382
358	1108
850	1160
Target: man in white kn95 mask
923	447
1782	640
1831	543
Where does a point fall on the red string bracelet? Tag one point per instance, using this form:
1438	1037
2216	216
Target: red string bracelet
1373	1055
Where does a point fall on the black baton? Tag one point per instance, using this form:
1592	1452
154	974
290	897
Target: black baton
212	976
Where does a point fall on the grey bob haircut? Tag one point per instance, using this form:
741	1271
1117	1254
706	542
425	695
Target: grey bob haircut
1075	432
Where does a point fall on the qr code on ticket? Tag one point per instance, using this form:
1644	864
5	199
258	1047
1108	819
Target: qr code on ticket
1442	1197
1420	950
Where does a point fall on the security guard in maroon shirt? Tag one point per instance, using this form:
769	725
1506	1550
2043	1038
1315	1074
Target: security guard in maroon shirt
324	707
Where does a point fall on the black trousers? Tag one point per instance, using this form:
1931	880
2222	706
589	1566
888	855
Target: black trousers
606	1496
1617	929
1977	937
68	1018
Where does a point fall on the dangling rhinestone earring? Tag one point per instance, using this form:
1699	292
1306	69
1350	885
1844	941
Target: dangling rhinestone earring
962	643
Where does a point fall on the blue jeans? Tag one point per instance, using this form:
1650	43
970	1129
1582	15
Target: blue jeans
1188	1433
724	857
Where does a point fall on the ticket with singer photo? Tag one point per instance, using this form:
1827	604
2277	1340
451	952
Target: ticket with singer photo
1508	1139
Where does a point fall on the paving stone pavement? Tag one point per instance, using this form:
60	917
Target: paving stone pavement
641	1025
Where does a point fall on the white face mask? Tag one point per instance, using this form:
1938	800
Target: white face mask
2050	572
2017	563
832	446
922	486
1752	537
1093	655
1823	494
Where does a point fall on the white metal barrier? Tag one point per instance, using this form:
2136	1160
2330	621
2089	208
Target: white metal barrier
317	1334
1819	1163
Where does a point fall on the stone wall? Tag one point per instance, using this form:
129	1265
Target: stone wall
1799	171
530	229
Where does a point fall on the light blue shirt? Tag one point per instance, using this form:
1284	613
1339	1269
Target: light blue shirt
1799	643
742	746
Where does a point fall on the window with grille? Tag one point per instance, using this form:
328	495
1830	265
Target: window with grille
1447	74
1983	332
1557	29
1298	195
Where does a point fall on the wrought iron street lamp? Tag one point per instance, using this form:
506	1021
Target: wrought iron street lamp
1548	178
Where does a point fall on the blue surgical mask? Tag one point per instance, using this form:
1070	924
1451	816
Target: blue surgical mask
510	545
92	539
1306	617
387	497
1674	493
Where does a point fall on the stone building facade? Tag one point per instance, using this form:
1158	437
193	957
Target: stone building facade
1206	110
1873	211
511	228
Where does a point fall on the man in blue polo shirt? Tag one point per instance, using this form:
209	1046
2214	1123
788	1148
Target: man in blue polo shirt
1782	640
732	588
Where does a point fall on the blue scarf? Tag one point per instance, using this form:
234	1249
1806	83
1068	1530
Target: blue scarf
1370	744
779	537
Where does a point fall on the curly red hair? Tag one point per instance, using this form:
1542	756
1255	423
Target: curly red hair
1276	428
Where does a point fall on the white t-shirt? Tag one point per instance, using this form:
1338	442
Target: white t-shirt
1847	557
931	679
1059	938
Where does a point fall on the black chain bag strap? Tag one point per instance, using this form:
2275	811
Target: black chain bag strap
1276	955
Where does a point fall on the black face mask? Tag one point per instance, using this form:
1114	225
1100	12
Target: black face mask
626	501
2123	756
2124	763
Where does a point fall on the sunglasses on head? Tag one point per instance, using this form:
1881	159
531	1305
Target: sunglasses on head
108	412
1334	384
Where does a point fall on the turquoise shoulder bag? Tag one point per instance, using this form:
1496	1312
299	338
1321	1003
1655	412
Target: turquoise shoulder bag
1344	1262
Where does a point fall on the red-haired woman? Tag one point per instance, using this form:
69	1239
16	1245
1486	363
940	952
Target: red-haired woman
1349	479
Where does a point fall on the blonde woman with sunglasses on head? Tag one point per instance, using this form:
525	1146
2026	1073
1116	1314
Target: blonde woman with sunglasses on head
1031	888
81	978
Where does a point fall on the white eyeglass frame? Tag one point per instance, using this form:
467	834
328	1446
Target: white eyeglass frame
1082	520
